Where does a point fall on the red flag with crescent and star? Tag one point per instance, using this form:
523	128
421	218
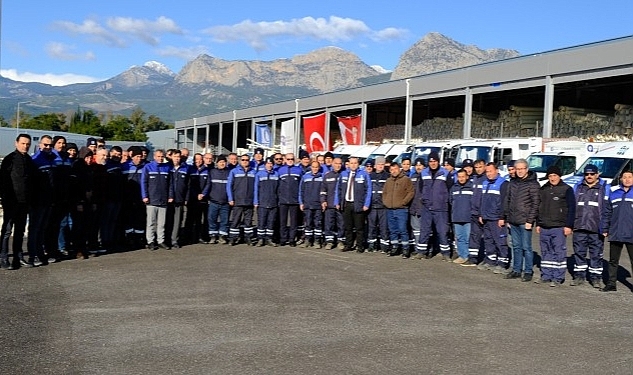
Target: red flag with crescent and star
314	133
350	129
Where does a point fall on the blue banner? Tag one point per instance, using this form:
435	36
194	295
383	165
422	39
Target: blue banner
263	136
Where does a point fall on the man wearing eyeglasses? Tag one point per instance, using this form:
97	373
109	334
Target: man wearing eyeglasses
39	215
240	188
521	210
591	194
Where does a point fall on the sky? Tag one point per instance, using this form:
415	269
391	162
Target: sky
72	41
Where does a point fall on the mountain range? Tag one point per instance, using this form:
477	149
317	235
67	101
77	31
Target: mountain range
209	85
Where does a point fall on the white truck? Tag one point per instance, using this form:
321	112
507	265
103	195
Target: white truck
499	151
611	160
445	149
388	150
360	151
567	155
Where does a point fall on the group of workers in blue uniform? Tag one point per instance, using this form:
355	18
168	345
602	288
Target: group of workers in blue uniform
91	200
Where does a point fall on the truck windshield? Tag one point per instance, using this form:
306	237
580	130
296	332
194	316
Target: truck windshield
608	167
540	163
423	152
473	153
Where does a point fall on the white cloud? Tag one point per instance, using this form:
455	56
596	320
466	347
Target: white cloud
185	53
94	30
51	79
62	51
390	33
145	30
333	29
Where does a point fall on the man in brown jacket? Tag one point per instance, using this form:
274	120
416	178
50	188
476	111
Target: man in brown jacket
396	196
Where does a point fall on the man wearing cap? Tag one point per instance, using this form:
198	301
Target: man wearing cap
521	210
449	165
240	192
266	201
377	215
258	163
555	222
591	194
617	224
328	158
289	181
133	206
91	143
353	197
219	209
304	161
435	187
333	227
512	172
415	209
477	176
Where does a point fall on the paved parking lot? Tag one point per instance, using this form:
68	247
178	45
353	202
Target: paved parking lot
208	309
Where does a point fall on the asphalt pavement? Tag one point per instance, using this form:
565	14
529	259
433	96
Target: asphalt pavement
216	309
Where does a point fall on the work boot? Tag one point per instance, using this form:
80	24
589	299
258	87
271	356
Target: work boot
577	281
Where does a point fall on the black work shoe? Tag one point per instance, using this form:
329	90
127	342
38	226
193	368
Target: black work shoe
234	241
175	246
609	288
526	278
512	275
577	281
164	246
5	264
293	244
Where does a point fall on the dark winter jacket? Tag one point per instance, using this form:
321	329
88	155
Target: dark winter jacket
523	199
461	197
590	203
217	192
493	194
558	206
328	187
266	189
289	180
155	181
240	186
362	190
617	219
310	191
179	184
17	174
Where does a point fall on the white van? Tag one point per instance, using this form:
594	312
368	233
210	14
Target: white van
445	149
611	160
388	150
499	151
567	155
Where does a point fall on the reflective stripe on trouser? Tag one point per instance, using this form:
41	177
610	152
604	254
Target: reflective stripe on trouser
241	216
430	220
266	219
414	233
496	242
475	242
218	218
553	254
333	227
593	243
377	226
313	221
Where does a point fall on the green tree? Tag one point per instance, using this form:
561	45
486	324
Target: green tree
45	121
85	122
4	123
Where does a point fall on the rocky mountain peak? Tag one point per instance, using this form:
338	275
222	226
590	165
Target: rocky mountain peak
436	52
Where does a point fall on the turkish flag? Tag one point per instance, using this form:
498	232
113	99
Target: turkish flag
350	129
314	133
